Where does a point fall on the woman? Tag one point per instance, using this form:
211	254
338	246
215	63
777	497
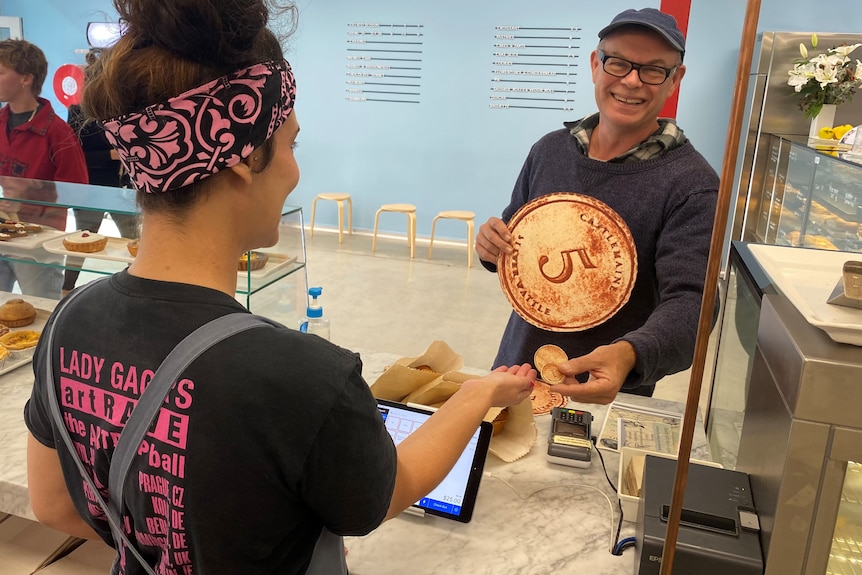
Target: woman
271	439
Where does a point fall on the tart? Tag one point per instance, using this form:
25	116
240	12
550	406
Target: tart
252	261
86	242
4	355
20	340
17	313
132	246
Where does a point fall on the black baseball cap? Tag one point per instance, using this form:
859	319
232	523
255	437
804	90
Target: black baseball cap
655	20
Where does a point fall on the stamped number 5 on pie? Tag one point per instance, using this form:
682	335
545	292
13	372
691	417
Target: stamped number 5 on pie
574	264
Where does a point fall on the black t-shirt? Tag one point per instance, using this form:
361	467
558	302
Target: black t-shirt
267	438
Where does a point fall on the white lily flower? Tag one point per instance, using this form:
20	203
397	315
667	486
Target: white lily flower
845	50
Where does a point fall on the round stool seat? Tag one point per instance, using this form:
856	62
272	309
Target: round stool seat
457	215
335	197
398	208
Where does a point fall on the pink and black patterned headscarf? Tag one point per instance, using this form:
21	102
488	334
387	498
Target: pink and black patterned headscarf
207	129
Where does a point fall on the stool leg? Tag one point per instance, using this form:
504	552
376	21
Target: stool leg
340	221
431	243
469	243
349	216
374	240
411	231
313	209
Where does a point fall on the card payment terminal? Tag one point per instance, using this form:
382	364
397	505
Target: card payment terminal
569	441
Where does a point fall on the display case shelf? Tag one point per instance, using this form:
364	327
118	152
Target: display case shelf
278	290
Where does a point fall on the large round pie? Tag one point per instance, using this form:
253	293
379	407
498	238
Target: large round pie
574	264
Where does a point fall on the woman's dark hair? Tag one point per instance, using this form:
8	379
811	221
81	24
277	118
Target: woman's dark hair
169	47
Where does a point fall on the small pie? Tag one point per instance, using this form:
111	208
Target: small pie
85	242
252	261
18	340
17	313
544	400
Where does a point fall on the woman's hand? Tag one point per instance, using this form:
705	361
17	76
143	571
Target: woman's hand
508	385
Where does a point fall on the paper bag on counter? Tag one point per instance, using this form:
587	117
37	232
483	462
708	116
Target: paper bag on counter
439	357
398	381
409	374
431	379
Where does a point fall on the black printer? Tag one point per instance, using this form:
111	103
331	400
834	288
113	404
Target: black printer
718	531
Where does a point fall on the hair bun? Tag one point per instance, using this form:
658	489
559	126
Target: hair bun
211	32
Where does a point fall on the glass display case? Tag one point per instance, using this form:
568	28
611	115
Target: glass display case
809	198
277	289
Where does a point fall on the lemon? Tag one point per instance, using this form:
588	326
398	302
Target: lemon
825	133
839	131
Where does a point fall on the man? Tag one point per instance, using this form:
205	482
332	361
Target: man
38	145
662	189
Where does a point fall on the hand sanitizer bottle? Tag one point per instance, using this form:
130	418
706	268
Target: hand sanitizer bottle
314	321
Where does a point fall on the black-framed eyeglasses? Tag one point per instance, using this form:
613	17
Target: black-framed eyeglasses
648	73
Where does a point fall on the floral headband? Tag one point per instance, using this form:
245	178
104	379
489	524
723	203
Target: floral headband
204	130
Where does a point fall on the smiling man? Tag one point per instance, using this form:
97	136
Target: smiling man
644	172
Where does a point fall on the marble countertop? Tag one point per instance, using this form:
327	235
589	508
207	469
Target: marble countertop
532	516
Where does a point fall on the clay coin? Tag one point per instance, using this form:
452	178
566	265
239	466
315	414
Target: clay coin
548	354
551	375
574	262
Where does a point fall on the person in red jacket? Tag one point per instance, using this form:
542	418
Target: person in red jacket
37	144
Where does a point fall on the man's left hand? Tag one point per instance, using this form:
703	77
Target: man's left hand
607	365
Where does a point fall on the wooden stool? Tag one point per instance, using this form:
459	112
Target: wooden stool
339	199
456	215
408	209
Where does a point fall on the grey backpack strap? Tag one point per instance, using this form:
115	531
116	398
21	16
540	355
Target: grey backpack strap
53	403
149	402
188	350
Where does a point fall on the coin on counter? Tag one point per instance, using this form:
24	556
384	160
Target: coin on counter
551	375
548	354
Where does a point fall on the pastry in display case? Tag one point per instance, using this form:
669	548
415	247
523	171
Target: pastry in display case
809	199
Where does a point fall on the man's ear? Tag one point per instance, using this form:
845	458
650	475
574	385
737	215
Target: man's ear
243	170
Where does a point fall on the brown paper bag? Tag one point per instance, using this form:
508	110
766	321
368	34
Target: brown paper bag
405	382
439	357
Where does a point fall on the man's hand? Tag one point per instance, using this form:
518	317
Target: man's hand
608	366
493	238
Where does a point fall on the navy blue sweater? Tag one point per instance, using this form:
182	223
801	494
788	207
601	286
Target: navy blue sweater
669	205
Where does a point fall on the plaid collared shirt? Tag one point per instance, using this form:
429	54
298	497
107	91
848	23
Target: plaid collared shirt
667	137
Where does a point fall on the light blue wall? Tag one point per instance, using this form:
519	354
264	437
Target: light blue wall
451	151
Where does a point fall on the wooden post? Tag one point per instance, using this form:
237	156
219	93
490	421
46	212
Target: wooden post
725	190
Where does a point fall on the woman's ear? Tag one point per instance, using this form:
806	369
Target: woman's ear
243	170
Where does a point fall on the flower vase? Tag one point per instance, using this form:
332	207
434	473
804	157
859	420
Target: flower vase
825	119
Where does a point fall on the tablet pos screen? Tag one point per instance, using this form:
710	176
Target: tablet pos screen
455	497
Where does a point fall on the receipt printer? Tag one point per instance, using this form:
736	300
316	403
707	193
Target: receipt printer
719	532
